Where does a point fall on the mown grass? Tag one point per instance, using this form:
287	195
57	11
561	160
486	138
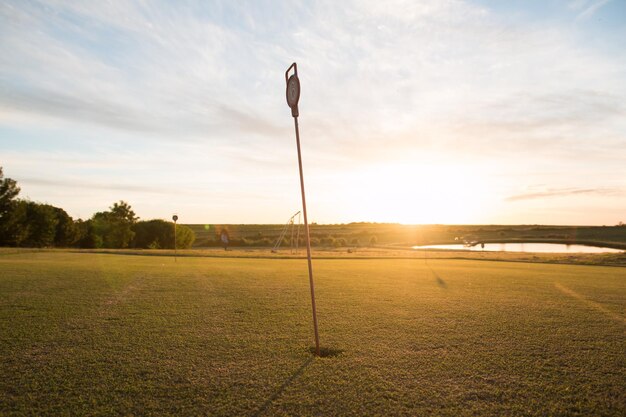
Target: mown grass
107	334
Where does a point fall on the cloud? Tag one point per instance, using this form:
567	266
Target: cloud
128	67
588	7
250	123
78	184
114	185
101	111
96	110
564	193
368	72
164	93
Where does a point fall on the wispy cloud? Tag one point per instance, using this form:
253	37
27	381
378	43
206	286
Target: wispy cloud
78	184
587	7
564	193
367	71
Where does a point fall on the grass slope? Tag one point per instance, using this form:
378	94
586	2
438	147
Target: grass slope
106	334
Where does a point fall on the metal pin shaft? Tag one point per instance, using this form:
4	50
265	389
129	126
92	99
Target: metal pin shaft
308	242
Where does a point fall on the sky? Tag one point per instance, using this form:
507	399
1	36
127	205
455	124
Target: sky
416	112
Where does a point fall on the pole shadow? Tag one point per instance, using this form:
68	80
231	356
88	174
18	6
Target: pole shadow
326	352
282	388
439	280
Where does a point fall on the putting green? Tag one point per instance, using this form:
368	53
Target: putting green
121	334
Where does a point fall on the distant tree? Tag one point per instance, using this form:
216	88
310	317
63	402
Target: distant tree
43	222
373	240
123	212
15	227
67	232
114	228
101	228
86	235
123	218
8	192
31	224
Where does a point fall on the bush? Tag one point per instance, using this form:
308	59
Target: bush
154	234
184	237
159	234
340	242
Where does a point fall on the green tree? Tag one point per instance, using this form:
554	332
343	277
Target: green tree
114	228
86	235
43	222
123	218
31	224
101	226
8	192
15	227
67	232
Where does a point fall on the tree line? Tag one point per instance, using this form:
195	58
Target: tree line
24	223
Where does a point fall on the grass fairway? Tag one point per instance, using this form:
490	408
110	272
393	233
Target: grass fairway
111	334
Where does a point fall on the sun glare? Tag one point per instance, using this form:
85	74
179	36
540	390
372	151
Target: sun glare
419	194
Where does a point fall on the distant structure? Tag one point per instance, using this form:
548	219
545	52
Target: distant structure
295	234
224	238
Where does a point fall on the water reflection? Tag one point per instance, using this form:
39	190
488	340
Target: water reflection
524	247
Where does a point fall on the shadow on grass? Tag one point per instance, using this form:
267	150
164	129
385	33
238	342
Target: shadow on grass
326	352
282	388
440	280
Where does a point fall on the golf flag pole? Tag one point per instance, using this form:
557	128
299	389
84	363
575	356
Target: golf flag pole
293	96
175	218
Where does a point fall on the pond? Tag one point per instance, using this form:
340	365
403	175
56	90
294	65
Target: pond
525	247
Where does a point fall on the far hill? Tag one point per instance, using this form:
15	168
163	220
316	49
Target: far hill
376	234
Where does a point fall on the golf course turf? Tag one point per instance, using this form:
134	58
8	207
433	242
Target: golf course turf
106	334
